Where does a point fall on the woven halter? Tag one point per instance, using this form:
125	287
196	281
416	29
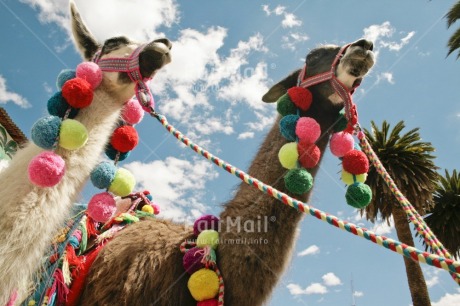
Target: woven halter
129	65
350	108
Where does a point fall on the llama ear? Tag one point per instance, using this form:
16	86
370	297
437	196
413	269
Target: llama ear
281	87
84	40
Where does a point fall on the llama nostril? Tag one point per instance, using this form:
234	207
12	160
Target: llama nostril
366	44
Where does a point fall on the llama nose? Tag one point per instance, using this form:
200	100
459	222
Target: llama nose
366	44
164	41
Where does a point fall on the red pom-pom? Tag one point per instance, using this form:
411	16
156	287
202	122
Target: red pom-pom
355	162
309	154
212	302
77	92
124	138
301	97
341	143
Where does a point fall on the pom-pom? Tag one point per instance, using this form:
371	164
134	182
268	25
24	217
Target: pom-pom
288	155
309	154
103	175
90	72
355	162
358	195
341	143
211	302
148	209
192	260
112	153
45	132
350	179
206	222
64	76
149	197
301	97
208	238
308	129
298	181
78	93
285	106
203	284
58	106
341	123
124	138
123	183
46	169
288	125
73	135
101	207
132	112
156	209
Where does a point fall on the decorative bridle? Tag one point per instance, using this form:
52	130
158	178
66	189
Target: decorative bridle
350	108
130	65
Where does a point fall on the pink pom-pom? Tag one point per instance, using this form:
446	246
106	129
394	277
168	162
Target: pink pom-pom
341	143
156	209
90	72
46	169
308	129
101	207
132	112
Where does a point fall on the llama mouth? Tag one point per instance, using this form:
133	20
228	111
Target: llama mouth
357	82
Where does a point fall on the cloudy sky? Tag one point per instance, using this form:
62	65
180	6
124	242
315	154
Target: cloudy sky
225	56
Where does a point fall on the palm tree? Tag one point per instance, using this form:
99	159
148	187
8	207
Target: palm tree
444	217
452	16
409	162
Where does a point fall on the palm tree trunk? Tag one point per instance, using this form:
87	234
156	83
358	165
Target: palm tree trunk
415	278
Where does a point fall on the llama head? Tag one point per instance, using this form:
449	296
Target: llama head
152	58
353	65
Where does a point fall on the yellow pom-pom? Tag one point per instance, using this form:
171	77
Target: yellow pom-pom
72	135
288	155
203	284
148	209
208	237
123	183
347	178
31	303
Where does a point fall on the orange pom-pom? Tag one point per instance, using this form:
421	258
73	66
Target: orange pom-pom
301	97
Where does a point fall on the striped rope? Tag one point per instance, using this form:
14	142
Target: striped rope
411	252
422	228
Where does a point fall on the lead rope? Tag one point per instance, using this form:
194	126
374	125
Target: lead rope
410	252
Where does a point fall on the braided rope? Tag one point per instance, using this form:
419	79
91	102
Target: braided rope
388	243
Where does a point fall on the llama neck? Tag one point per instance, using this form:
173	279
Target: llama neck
258	231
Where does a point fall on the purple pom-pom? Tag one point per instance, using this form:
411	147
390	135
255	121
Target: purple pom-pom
192	260
206	222
90	72
46	169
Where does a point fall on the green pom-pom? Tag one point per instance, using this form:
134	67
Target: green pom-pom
73	135
298	181
288	155
358	195
208	238
341	123
123	183
285	106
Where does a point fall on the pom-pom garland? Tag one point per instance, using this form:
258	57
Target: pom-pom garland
113	154
200	260
302	153
132	112
58	106
123	183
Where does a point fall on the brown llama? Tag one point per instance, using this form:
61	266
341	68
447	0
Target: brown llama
142	265
32	215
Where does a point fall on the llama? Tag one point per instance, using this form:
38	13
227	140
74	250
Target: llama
142	265
31	215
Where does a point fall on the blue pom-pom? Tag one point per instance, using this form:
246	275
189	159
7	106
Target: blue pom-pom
111	153
57	106
149	196
287	126
103	175
45	132
64	76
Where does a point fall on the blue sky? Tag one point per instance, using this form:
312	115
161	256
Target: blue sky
225	56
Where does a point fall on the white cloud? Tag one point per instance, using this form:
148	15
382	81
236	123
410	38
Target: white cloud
176	185
295	289
382	36
277	11
383	228
291	40
385	76
314	288
330	279
140	19
311	250
432	281
8	96
246	135
358	293
449	299
289	21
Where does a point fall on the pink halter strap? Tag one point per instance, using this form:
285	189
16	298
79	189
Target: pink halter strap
129	65
350	108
